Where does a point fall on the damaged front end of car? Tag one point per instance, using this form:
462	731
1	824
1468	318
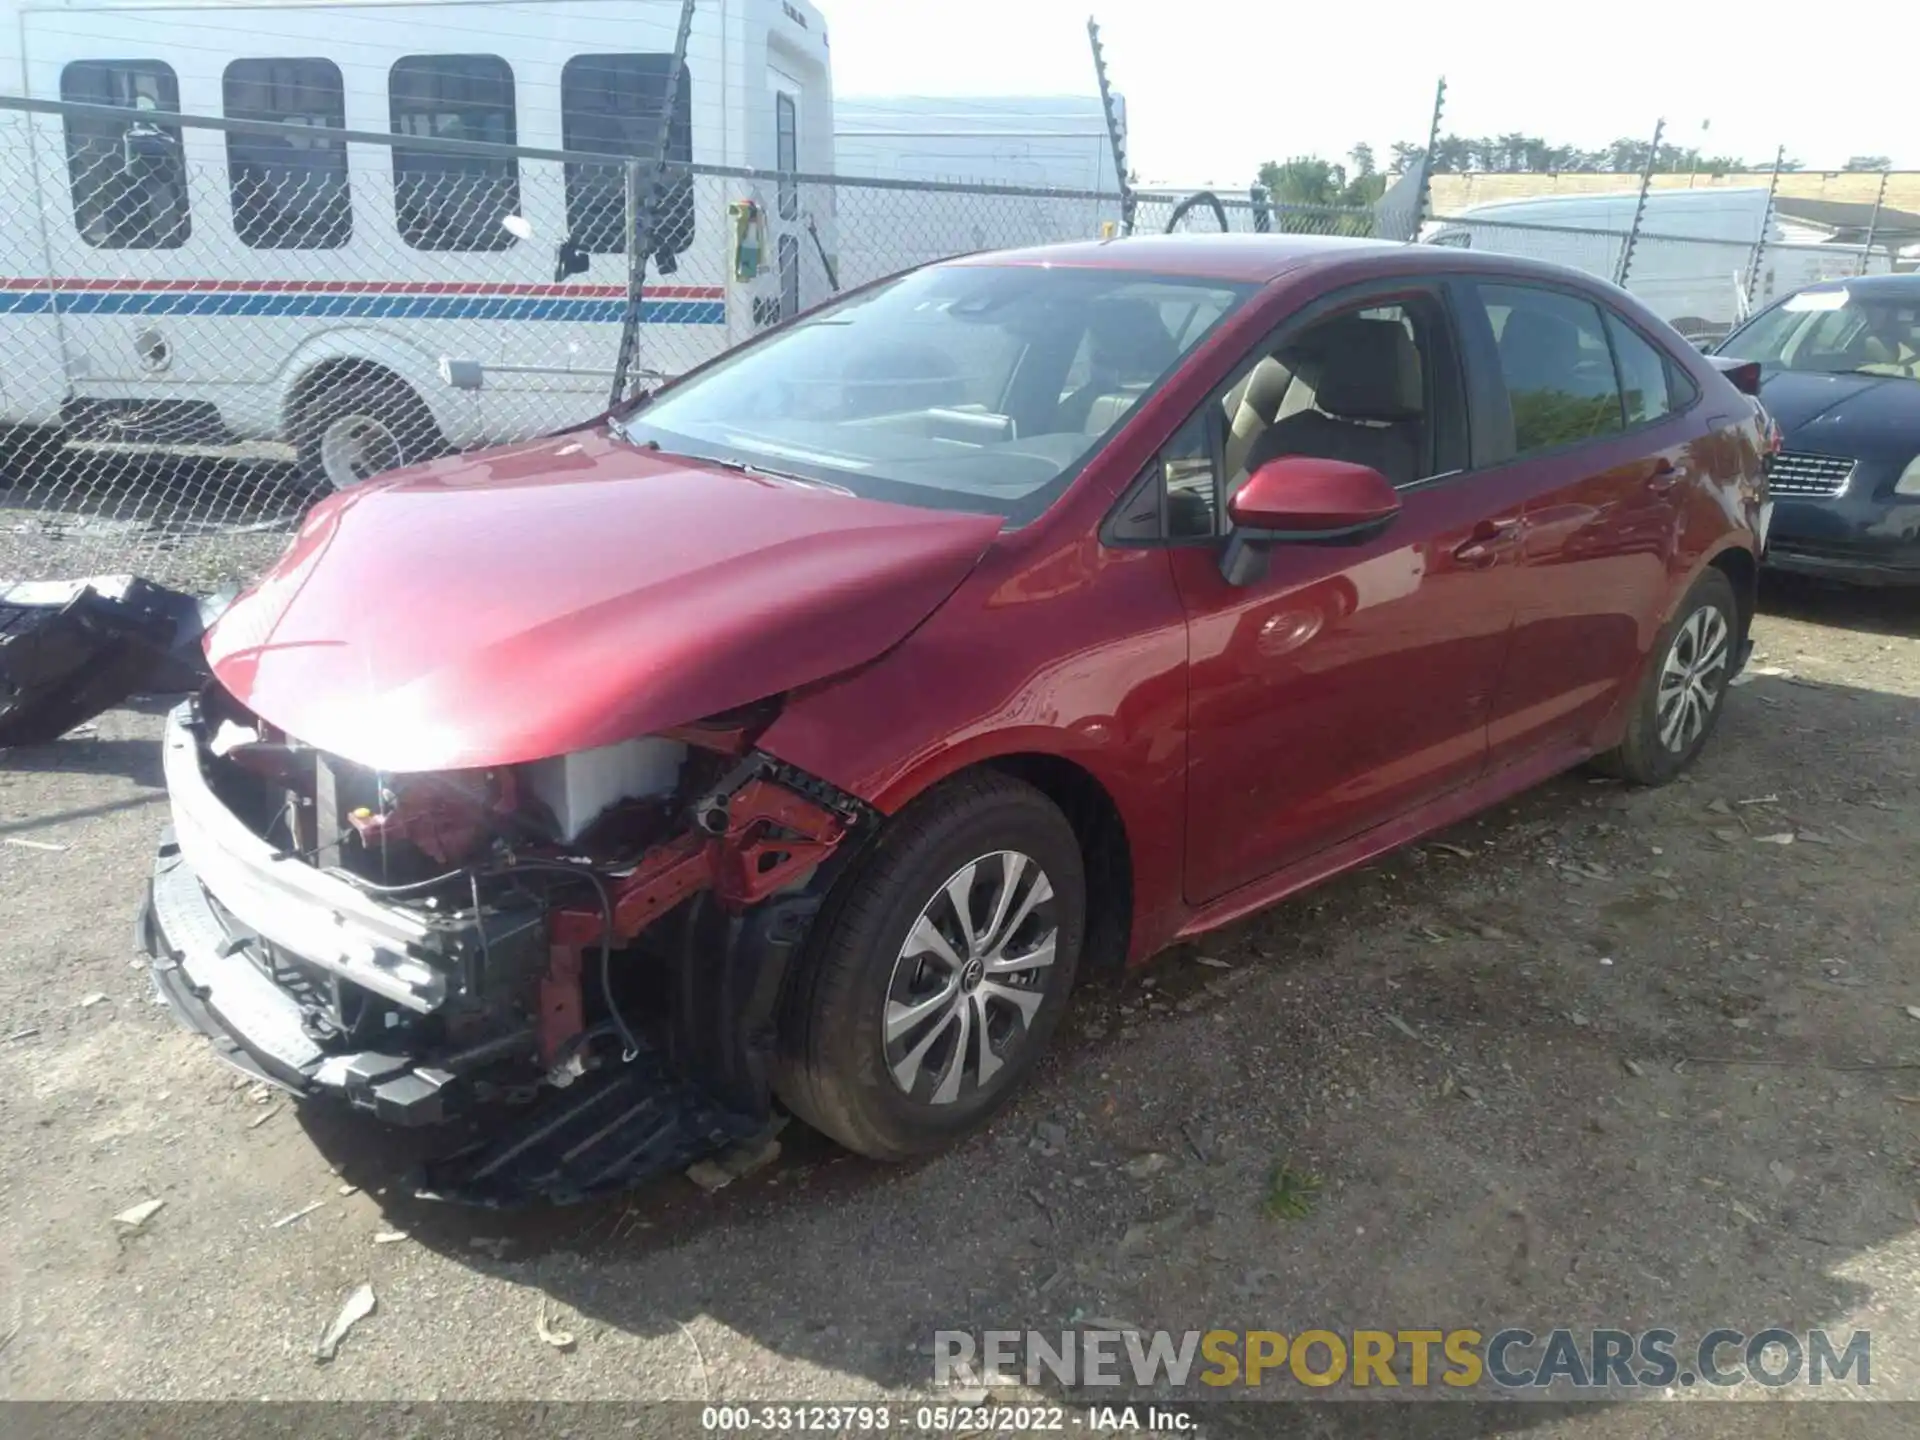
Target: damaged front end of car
581	957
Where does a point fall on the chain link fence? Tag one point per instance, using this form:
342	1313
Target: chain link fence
205	323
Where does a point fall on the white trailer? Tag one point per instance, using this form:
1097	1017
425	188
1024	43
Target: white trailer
1038	142
1691	260
248	277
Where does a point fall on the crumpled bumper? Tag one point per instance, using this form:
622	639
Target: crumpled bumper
202	966
606	1132
246	946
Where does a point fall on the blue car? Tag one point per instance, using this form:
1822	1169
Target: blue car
1840	375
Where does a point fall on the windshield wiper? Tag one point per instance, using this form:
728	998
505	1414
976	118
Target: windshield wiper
761	472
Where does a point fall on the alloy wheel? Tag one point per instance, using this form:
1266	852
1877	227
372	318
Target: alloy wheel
970	978
1692	677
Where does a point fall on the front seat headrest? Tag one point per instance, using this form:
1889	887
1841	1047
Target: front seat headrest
1129	341
1364	369
1538	351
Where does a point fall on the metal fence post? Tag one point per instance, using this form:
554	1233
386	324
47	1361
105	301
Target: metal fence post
640	207
1873	224
1640	206
1766	224
1425	202
1114	136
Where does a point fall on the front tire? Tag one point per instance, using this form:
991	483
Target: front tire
938	970
1682	694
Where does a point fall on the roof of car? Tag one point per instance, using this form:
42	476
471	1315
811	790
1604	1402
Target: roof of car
1906	285
1256	259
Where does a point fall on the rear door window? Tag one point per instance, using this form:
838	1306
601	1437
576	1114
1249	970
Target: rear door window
1556	365
1646	375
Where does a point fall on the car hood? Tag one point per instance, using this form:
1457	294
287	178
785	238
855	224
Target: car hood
1867	416
569	593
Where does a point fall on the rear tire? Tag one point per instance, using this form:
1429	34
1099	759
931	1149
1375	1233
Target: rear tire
1684	689
358	426
891	995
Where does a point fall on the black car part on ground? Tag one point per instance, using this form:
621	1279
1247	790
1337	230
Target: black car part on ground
607	1132
69	650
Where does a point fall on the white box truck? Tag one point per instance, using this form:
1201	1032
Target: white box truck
281	288
1690	262
1037	142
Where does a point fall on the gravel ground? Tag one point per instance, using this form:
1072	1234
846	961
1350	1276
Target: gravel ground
1602	1057
194	517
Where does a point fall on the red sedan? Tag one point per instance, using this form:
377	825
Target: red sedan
802	732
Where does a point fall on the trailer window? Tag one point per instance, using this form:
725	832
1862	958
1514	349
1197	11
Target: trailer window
128	177
289	192
789	276
786	155
610	105
444	201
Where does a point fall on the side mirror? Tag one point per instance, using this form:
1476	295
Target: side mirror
1744	374
1303	500
569	258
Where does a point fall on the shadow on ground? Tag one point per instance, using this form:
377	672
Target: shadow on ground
1879	610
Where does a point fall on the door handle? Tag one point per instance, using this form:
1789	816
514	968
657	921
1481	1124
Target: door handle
1665	475
1489	540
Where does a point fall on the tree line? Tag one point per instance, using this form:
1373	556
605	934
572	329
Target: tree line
1311	180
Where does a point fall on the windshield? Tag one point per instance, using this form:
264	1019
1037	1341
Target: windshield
1836	332
967	387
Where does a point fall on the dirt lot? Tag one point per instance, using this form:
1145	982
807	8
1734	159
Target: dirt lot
1601	1058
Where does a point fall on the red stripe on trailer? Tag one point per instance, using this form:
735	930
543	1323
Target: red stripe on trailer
363	287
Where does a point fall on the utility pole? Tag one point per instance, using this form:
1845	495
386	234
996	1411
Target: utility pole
1116	137
641	203
1873	224
1426	165
1766	226
1640	207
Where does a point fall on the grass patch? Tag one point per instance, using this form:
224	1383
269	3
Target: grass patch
1291	1194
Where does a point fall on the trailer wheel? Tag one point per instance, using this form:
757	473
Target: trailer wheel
356	426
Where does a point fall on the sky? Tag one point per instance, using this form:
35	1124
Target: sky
1215	87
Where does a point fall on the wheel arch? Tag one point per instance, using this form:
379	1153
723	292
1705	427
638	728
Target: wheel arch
1090	803
377	355
1102	832
1737	563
